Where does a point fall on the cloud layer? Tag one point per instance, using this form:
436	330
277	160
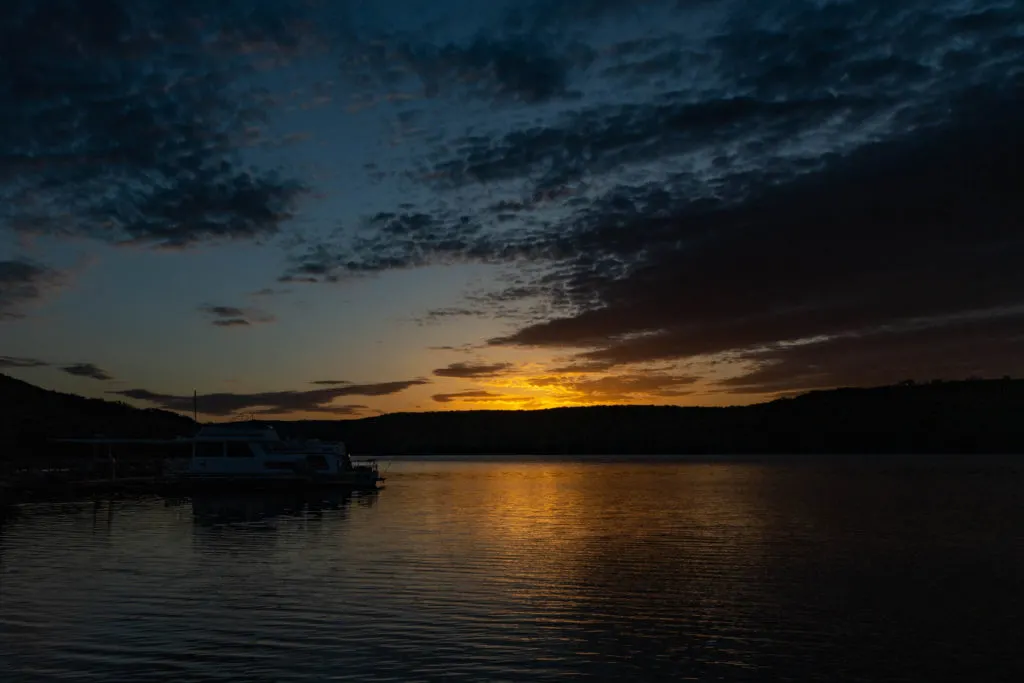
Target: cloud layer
89	370
124	121
473	370
273	402
23	282
813	191
233	316
766	184
18	362
922	229
832	174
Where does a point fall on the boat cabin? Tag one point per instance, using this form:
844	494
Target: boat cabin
232	450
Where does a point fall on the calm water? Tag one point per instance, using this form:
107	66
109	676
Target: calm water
525	570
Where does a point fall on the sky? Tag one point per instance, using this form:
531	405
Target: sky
333	209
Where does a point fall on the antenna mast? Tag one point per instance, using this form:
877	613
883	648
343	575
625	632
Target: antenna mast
195	412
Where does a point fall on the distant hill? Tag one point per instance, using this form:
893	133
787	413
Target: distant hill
973	416
29	415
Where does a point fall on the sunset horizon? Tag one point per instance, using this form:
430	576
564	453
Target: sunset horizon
305	210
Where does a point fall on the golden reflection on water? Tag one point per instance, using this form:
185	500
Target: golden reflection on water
596	540
492	569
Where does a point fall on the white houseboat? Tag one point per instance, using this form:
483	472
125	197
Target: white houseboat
234	454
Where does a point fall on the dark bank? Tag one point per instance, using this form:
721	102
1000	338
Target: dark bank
968	416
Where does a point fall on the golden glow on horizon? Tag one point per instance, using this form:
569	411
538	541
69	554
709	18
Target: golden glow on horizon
532	387
535	380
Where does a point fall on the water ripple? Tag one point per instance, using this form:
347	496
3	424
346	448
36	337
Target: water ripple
502	570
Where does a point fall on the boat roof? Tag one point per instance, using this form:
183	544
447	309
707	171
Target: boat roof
236	432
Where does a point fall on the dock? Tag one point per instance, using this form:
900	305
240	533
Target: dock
85	468
28	492
84	471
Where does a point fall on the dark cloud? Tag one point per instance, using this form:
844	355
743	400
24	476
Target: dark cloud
330	382
16	362
462	348
519	67
298	279
390	241
87	370
233	316
745	99
534	53
602	139
757	81
614	388
765	117
582	368
124	121
869	45
471	370
223	311
436	314
498	401
540	14
658	58
981	346
22	282
463	395
272	402
515	300
926	227
211	207
501	63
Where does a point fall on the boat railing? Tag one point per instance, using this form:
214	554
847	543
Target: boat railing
369	464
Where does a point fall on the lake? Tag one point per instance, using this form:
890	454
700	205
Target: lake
491	569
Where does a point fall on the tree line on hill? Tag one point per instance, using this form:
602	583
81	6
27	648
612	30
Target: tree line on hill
971	416
977	416
30	417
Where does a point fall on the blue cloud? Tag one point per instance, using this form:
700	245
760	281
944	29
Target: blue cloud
123	120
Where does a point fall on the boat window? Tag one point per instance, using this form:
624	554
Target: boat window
238	449
210	449
317	462
279	465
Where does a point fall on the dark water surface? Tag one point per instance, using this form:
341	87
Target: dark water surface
498	569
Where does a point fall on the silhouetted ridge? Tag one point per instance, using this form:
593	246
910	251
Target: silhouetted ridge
30	415
971	416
